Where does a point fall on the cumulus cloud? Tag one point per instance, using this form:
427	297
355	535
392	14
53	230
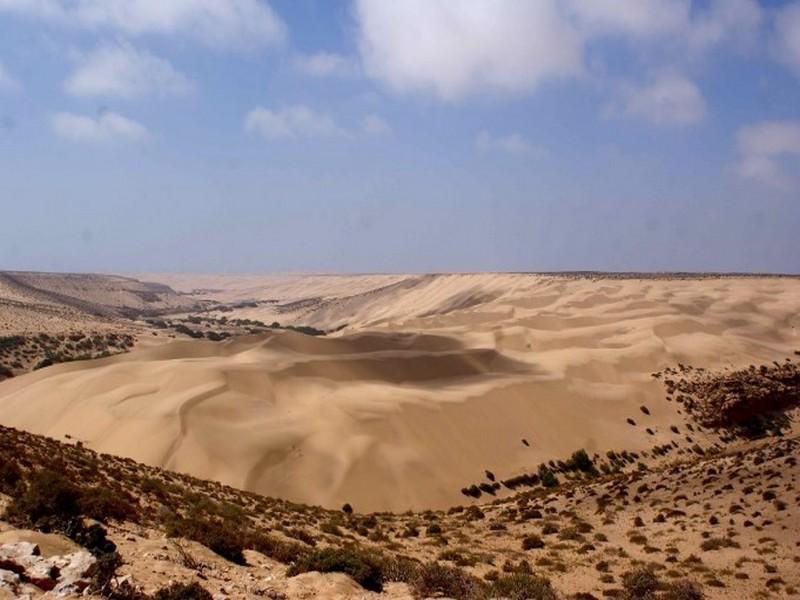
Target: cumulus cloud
763	145
455	49
121	70
296	121
458	48
228	23
107	126
325	64
7	82
375	125
667	99
786	45
512	143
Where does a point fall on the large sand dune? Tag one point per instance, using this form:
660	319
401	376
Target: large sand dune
433	380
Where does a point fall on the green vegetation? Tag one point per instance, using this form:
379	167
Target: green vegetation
364	567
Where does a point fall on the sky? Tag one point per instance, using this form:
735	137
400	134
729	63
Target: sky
399	136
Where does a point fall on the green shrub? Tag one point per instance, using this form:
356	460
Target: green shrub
580	461
183	591
521	586
548	478
363	567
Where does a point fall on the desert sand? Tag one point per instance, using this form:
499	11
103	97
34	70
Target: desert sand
430	381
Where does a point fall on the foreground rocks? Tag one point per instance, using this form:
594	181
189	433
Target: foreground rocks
26	571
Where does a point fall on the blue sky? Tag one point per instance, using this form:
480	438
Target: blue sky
423	135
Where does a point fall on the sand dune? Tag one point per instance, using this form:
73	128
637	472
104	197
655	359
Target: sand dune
434	380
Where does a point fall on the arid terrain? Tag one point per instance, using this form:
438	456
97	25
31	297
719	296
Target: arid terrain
459	434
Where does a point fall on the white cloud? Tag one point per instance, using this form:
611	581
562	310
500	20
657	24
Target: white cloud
513	143
735	21
786	45
762	145
375	125
107	126
291	122
219	23
667	99
121	70
326	64
454	49
7	82
631	17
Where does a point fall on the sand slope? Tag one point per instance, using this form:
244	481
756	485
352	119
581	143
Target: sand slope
435	379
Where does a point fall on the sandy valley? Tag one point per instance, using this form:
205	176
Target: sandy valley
397	393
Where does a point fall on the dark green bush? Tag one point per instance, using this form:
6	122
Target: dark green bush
49	503
580	461
364	567
103	505
547	477
10	476
531	542
221	538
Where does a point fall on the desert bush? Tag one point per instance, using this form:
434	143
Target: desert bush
433	529
10	476
522	586
280	550
221	538
103	504
640	584
683	590
48	503
718	543
93	538
531	542
400	568
102	574
183	591
365	568
580	461
434	579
